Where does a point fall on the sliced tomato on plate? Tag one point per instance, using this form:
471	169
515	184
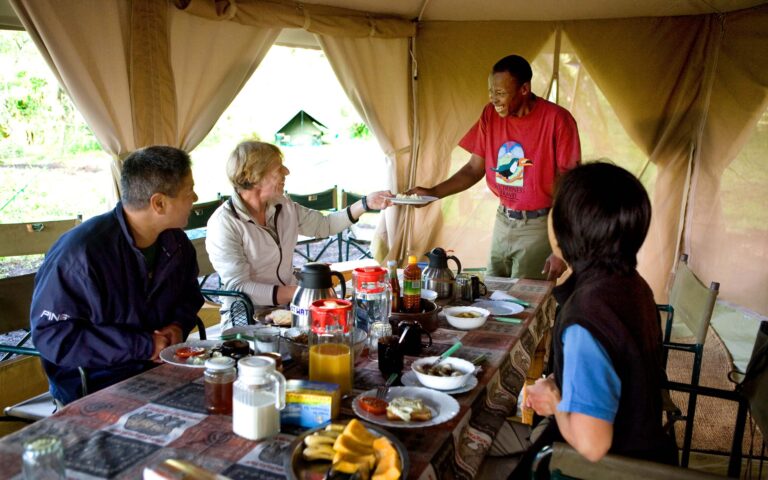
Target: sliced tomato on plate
373	405
186	352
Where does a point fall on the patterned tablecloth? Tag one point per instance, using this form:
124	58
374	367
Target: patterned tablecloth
160	414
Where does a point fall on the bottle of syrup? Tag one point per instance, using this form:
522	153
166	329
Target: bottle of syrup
412	287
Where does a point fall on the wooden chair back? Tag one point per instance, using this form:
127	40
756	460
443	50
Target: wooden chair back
15	299
567	463
33	238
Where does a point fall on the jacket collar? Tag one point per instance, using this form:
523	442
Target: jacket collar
165	240
242	211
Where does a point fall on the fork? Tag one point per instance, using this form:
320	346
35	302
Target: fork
381	390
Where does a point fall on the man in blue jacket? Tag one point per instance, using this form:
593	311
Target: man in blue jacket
116	290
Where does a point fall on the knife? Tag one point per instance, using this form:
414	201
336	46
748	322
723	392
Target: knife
508	320
514	300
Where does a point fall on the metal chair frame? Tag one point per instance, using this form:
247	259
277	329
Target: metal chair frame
241	310
327	201
347	199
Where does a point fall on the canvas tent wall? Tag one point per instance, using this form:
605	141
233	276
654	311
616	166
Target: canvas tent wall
687	81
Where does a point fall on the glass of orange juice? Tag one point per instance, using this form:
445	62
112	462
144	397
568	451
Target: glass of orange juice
331	362
330	343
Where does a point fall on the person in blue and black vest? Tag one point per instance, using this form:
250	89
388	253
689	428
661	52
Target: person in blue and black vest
605	393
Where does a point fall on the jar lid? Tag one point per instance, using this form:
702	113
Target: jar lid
412	259
255	366
42	446
219	363
370	274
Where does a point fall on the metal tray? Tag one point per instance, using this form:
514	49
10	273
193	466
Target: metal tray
297	468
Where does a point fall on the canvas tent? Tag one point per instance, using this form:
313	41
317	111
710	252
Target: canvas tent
684	83
302	129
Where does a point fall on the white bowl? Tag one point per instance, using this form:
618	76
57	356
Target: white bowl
466	323
428	294
444	383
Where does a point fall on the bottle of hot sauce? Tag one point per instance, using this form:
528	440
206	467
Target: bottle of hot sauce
394	284
412	287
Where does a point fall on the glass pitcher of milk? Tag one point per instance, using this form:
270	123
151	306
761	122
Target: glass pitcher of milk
258	397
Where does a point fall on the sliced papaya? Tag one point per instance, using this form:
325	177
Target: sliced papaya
369	460
348	444
350	468
357	430
388	474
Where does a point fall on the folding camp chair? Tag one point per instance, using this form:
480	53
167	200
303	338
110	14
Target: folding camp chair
691	303
354	236
201	212
325	201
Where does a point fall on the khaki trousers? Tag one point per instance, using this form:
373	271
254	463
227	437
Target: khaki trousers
519	248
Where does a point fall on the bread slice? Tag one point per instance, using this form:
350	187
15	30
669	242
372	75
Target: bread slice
408	410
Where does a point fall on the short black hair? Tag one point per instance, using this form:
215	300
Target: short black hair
516	66
600	217
150	170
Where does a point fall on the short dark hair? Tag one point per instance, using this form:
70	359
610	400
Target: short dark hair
516	66
150	170
600	217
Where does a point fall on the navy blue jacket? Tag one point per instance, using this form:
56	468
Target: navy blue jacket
95	305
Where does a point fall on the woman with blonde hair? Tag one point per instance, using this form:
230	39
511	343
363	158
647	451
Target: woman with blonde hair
251	236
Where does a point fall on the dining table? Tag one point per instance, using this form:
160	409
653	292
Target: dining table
160	414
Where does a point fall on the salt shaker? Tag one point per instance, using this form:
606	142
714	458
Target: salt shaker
43	459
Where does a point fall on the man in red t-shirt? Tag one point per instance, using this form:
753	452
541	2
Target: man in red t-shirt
520	144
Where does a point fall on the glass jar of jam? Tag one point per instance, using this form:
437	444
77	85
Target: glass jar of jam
219	378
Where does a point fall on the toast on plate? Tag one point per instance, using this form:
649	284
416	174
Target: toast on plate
408	410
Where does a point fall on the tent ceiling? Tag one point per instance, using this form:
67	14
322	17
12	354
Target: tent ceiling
540	9
508	9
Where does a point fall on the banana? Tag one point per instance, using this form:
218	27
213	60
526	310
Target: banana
315	439
318	452
328	433
335	427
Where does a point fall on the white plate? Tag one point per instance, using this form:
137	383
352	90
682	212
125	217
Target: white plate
168	353
409	379
499	307
443	406
414	201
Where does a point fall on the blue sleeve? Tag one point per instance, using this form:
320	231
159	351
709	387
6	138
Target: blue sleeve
590	383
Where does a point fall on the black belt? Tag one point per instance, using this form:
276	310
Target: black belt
523	214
